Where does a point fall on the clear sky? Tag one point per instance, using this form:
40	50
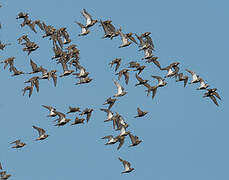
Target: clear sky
184	135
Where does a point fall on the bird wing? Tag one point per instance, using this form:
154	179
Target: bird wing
191	72
88	116
126	77
36	83
33	65
139	111
17	141
214	100
117	66
132	138
87	16
121	142
119	87
47	107
154	91
217	95
40	130
81	25
107	137
185	80
105	28
138	78
61	115
157	77
54	77
105	110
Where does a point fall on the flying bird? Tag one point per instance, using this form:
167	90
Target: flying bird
134	140
89	21
120	90
52	110
78	121
117	62
42	134
88	112
73	109
182	77
18	144
127	166
140	113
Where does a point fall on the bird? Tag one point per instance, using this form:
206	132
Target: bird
44	72
84	29
83	73
124	39
120	90
34	81
141	113
152	89
127	166
88	112
212	94
62	120
121	140
116	61
109	29
15	71
182	77
73	109
53	75
172	69
113	140
125	73
28	88
119	121
203	85
22	15
140	80
195	77
148	39
18	143
78	121
139	69
65	69
142	43
147	53
89	21
106	29
123	131
160	80
42	134
110	101
8	61
84	80
2	46
154	60
133	64
134	140
4	176
52	110
109	114
65	35
35	68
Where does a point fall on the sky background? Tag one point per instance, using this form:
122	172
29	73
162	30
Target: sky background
184	135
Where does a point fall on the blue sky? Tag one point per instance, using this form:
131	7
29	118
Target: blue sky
184	135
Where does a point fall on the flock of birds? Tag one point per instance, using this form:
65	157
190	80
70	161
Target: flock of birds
69	56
